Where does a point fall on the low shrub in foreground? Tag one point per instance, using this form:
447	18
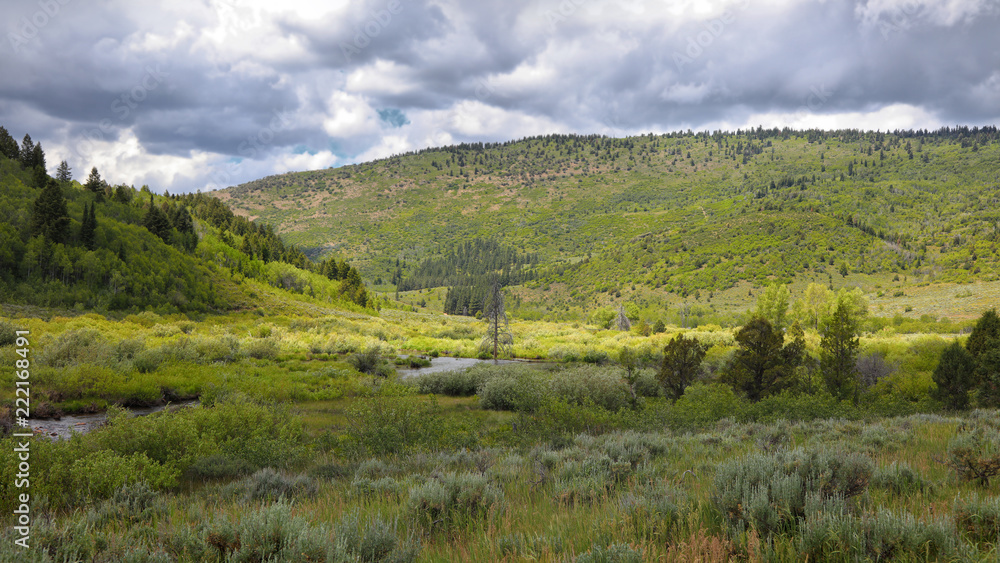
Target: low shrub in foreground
769	492
453	500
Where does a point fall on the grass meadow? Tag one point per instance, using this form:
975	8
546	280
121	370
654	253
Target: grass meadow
293	455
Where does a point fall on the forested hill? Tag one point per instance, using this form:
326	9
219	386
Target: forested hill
103	247
678	215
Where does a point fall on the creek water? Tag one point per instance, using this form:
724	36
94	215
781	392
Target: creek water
82	423
444	364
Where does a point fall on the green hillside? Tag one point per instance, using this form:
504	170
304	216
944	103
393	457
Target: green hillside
105	248
665	220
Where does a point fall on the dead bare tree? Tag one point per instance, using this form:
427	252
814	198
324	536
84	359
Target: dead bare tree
622	321
498	340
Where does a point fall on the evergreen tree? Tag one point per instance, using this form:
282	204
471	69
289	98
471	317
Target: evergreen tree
985	335
94	182
88	226
39	177
682	359
156	221
63	173
8	145
49	216
762	365
988	376
123	194
27	152
954	376
38	157
839	351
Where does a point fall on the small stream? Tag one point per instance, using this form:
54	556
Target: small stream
444	364
82	423
63	428
452	364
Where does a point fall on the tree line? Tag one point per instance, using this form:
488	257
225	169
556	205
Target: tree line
770	358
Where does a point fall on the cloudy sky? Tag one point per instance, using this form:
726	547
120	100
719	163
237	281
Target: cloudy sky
211	93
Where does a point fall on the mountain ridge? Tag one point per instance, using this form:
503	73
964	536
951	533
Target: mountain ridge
649	209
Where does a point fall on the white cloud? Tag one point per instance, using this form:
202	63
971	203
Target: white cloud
349	116
382	77
905	13
895	116
126	161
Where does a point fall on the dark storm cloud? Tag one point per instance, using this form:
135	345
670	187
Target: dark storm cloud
215	77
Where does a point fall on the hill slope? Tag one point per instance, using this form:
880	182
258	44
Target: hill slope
113	248
660	218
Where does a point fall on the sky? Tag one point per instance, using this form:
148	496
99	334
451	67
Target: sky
200	95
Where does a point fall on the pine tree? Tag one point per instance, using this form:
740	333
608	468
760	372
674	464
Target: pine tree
156	221
954	376
682	359
38	157
63	173
49	216
27	151
88	226
94	182
123	194
763	364
985	335
8	145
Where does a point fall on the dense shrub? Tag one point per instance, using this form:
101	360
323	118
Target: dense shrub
458	383
268	484
454	499
380	425
262	349
512	388
132	503
224	349
8	333
974	454
653	511
835	535
979	519
899	479
580	385
78	346
217	466
703	404
272	534
148	361
768	492
161	447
